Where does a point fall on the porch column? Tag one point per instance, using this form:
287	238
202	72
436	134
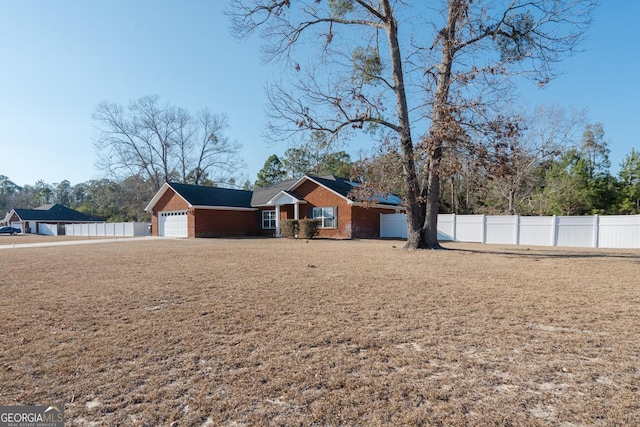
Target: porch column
277	220
296	210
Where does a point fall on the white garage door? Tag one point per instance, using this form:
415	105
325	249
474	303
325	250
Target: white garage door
173	224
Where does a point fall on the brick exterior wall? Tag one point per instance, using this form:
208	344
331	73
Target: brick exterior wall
319	197
287	212
366	222
169	201
223	223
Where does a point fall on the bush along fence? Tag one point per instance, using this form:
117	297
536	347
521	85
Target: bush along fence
611	231
299	228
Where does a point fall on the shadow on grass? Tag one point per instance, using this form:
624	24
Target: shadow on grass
556	253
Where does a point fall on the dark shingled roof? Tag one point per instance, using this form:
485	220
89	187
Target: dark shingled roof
263	195
57	213
343	186
197	195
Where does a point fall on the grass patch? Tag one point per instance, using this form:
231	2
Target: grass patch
320	332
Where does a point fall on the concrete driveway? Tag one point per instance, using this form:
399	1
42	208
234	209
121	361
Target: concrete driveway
14	245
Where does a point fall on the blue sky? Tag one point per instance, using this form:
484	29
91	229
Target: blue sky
61	58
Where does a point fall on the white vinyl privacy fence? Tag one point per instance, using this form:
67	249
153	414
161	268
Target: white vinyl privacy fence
106	229
615	231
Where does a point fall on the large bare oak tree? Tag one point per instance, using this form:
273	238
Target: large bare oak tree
159	143
425	74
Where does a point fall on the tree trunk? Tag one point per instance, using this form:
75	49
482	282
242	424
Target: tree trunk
454	200
441	119
512	201
430	235
412	189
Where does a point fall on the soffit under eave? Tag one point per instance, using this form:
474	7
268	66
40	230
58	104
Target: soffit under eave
378	206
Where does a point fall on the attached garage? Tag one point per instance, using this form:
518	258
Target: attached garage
184	210
173	224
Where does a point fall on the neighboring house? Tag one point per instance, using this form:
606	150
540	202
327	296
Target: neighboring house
183	210
43	219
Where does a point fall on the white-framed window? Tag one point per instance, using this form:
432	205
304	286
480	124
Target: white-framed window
269	219
327	216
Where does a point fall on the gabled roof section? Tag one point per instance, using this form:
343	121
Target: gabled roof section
55	212
344	186
339	186
285	198
198	195
262	196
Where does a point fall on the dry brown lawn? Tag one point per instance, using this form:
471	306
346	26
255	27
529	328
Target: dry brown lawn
330	333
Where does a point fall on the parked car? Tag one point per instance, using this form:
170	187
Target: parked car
9	230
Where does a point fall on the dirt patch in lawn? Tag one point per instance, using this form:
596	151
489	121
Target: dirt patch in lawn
280	332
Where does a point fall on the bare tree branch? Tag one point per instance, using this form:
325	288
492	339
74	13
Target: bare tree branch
457	73
164	143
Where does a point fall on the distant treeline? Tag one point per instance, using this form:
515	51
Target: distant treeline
115	200
508	177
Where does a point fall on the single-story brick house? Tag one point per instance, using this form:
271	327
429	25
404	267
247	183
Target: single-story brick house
183	210
43	219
